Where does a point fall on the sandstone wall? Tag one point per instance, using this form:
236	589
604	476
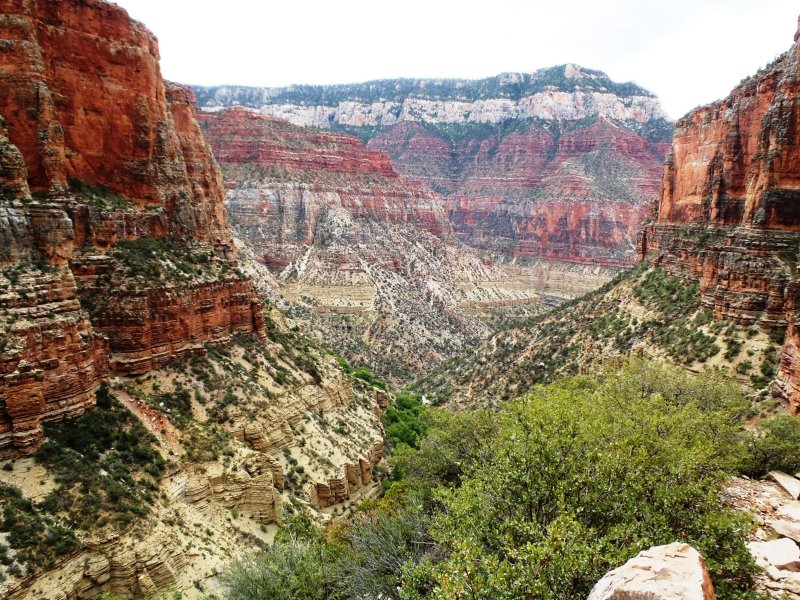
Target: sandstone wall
729	211
88	123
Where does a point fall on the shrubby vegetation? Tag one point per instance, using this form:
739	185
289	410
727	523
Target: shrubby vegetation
35	538
542	498
106	468
106	465
158	261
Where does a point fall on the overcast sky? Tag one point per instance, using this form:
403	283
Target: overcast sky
689	52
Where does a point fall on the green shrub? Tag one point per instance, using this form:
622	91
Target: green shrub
34	534
364	374
402	420
547	494
105	464
604	468
775	445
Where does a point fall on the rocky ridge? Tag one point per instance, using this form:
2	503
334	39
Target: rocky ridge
560	163
116	264
727	216
717	282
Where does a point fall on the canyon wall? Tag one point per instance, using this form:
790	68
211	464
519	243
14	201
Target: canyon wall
109	198
559	164
366	256
729	210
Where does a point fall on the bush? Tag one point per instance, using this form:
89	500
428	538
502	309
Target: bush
292	568
547	494
775	445
364	374
585	474
402	420
105	463
35	535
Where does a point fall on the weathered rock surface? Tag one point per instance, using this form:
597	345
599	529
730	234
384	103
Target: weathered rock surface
560	163
112	154
68	67
366	255
570	192
728	212
672	572
335	170
340	489
775	514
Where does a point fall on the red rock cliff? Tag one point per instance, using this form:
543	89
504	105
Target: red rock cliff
577	195
336	169
121	177
729	210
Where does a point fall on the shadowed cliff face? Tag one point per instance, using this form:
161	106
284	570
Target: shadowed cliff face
560	163
729	211
115	250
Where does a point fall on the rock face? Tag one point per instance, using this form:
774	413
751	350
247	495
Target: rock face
367	256
673	572
728	212
560	163
561	190
69	66
336	170
98	152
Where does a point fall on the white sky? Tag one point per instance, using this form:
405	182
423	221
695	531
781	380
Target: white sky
688	52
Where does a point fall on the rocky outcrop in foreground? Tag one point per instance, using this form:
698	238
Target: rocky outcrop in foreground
728	213
774	542
672	572
560	163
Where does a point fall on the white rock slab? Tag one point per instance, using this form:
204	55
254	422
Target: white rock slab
672	572
782	554
787	482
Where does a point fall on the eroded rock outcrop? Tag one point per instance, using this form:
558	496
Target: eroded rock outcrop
51	359
356	476
367	254
728	212
672	572
112	155
560	163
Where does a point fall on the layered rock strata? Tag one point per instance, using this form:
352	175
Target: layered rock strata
75	184
728	212
672	572
560	163
366	255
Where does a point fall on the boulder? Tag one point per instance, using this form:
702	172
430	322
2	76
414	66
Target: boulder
782	554
787	529
672	572
787	482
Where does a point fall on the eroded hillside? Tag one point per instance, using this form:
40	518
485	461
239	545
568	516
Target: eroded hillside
717	285
365	255
157	414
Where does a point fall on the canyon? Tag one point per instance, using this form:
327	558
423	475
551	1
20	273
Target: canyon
120	291
716	285
195	283
366	256
557	164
